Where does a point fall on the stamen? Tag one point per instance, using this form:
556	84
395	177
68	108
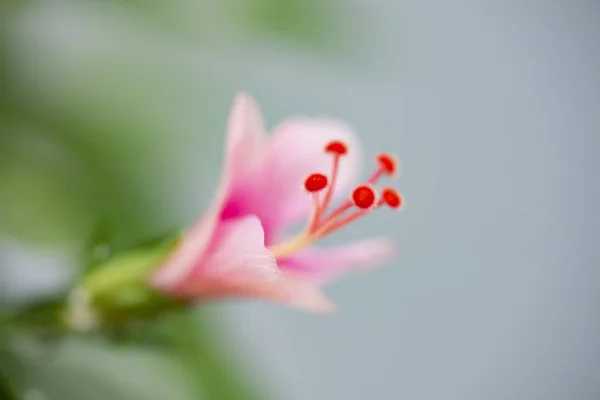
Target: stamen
387	165
315	182
338	149
334	225
391	197
291	246
339	211
363	196
310	226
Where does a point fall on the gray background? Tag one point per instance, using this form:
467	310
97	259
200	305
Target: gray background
493	110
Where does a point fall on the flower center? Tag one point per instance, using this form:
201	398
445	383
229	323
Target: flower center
363	200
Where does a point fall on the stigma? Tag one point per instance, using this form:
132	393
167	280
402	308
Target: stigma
363	199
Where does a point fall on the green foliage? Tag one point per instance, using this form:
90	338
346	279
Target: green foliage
91	369
44	190
307	22
178	357
99	102
192	337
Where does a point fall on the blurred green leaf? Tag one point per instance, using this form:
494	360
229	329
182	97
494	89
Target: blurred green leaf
309	22
119	106
43	193
6	391
130	105
195	338
94	370
180	357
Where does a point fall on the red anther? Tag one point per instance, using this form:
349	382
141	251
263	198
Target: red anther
387	163
391	197
336	147
363	196
315	182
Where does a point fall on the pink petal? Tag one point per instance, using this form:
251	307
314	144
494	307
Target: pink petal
244	146
237	261
323	265
304	295
246	138
296	149
237	264
290	290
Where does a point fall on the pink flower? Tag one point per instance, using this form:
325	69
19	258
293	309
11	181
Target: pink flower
238	248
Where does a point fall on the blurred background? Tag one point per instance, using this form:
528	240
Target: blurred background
115	111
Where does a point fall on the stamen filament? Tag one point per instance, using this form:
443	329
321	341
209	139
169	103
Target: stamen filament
338	211
328	195
334	225
312	222
303	239
291	246
376	175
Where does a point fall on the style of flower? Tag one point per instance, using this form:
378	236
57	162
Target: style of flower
269	183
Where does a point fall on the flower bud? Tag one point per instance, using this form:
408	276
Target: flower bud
118	290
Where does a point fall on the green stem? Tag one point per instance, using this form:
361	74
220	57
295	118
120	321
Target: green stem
6	391
45	316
